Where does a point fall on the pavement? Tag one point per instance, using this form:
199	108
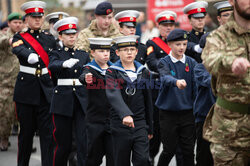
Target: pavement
9	158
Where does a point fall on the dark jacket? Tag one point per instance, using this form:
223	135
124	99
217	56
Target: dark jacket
63	96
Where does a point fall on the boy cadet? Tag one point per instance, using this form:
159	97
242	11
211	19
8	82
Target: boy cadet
131	111
127	23
175	100
196	13
9	68
97	115
102	26
226	56
34	86
224	10
69	100
157	48
52	18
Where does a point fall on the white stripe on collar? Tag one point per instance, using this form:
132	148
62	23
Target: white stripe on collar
174	60
96	68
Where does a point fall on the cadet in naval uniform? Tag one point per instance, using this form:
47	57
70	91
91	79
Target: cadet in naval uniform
157	48
127	23
97	115
131	111
33	87
224	10
196	14
69	100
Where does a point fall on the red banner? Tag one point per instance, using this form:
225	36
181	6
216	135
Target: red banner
157	6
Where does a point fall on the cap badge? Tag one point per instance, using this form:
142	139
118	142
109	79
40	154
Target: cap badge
108	11
70	25
131	19
36	9
185	36
60	16
168	17
199	9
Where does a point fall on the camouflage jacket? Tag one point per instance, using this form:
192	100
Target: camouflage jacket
9	65
93	32
223	45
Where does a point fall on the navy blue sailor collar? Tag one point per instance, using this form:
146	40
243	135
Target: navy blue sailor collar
118	66
96	67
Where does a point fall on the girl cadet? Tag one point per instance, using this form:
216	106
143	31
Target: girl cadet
97	115
69	98
131	112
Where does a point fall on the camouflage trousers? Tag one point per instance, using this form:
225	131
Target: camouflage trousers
229	134
7	114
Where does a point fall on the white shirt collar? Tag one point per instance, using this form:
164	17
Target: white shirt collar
174	60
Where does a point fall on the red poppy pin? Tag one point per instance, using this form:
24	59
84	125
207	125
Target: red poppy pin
187	68
108	11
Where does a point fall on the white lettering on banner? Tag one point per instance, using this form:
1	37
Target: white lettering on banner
166	3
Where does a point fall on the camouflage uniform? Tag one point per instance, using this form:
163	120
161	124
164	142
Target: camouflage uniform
227	125
9	67
93	32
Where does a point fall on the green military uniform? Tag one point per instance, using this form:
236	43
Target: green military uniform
9	67
227	125
93	32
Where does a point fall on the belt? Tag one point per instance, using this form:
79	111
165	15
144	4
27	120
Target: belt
234	107
33	71
68	82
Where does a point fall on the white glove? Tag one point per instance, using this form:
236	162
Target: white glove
33	58
197	48
70	63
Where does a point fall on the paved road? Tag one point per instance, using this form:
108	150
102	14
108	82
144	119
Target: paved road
9	158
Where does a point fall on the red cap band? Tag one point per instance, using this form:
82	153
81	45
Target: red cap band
198	10
127	19
67	26
165	18
34	10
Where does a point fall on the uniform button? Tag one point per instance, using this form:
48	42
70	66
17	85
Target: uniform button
75	71
21	78
161	51
37	37
74	89
38	75
73	53
29	48
141	58
56	91
38	65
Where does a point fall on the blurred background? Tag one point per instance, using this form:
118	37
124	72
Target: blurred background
84	10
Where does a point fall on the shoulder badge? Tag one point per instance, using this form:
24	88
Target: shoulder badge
150	50
17	43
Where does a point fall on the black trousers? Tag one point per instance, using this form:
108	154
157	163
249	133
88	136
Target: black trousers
203	154
127	140
155	142
62	133
31	119
177	128
99	144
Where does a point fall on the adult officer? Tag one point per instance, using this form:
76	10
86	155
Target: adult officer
102	26
69	100
226	56
9	68
196	14
33	87
127	23
224	10
157	48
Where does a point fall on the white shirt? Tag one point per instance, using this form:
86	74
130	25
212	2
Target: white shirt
174	60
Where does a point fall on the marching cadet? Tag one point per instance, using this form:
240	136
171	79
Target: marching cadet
224	10
9	67
131	111
157	48
175	100
127	23
97	115
196	14
34	86
52	18
69	100
102	26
